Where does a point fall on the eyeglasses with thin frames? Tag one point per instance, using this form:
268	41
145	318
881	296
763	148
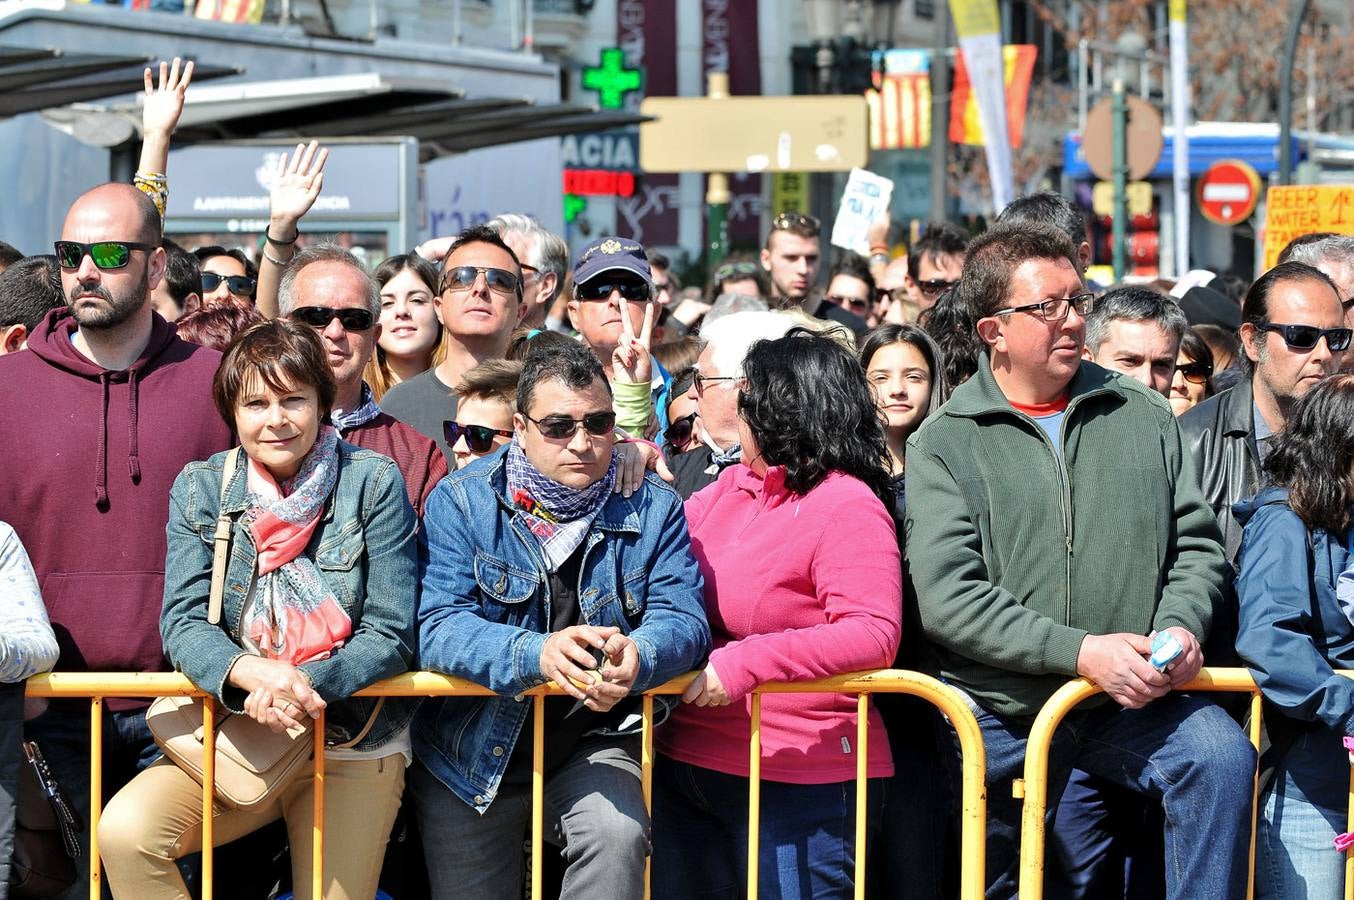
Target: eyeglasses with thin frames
700	381
1055	309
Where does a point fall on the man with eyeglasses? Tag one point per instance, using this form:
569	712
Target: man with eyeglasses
536	572
102	413
479	303
615	311
1333	254
544	258
329	289
1293	334
1053	529
934	263
715	387
850	287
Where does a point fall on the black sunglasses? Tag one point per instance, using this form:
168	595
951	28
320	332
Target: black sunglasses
106	254
558	428
242	285
320	316
848	302
500	281
679	431
479	438
1305	337
634	291
1195	372
935	287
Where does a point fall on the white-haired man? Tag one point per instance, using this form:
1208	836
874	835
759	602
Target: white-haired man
719	378
544	257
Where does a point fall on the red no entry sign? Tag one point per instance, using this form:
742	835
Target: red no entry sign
1228	191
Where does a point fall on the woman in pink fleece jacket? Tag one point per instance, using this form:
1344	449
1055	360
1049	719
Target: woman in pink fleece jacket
802	580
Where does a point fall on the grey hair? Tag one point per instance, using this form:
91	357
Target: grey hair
728	304
548	252
1132	303
731	336
1335	249
314	253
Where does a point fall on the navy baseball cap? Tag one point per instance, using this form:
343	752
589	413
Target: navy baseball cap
612	254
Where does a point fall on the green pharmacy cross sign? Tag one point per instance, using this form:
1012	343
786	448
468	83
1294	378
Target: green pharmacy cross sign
611	79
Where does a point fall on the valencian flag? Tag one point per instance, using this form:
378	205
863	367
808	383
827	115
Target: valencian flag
965	126
900	101
242	11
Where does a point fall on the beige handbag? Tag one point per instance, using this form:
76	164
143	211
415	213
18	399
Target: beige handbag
253	762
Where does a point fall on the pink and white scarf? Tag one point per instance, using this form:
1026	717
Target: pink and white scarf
294	615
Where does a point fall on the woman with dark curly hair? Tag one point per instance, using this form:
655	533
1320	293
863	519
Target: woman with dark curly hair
1296	589
802	574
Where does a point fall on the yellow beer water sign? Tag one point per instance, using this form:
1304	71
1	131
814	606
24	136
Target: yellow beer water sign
1294	210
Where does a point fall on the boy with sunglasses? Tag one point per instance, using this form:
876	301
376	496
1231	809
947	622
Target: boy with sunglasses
535	571
1294	335
486	399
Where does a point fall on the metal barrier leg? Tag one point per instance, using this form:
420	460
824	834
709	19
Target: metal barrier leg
862	787
646	776
208	784
754	795
317	815
1349	856
1257	708
95	795
537	794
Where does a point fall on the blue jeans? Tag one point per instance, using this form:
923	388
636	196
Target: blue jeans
1182	751
594	807
1302	810
807	839
1105	843
914	856
63	734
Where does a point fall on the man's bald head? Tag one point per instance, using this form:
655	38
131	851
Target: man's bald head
123	202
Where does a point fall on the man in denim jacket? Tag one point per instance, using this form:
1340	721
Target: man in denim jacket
534	571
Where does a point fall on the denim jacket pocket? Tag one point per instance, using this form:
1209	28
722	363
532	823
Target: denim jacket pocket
337	558
503	583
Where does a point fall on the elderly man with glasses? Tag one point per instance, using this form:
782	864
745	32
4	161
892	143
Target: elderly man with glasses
1054	529
534	572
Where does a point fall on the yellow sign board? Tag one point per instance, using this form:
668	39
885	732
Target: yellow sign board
1294	210
789	192
754	134
1139	198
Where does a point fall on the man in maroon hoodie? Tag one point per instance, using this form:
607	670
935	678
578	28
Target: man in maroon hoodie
103	411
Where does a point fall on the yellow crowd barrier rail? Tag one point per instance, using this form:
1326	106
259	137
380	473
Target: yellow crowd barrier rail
1035	782
973	815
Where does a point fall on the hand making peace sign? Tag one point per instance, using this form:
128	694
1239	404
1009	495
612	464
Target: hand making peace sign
631	361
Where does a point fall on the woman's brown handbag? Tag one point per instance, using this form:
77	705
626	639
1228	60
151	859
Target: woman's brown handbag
46	832
253	762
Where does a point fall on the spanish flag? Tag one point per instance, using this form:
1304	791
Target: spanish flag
242	11
1019	66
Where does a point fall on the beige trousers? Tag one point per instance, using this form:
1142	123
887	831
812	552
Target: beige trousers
157	818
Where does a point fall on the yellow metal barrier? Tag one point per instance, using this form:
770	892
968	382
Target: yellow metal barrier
98	685
1035	782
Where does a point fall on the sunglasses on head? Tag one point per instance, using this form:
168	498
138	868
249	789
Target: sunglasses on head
1305	337
106	254
500	281
679	431
320	316
793	221
1195	372
479	438
558	428
237	284
634	291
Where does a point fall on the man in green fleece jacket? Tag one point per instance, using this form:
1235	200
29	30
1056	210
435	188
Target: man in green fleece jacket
1053	525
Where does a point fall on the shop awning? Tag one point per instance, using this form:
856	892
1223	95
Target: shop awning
36	79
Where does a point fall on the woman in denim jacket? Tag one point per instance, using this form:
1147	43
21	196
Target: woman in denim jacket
1296	589
319	603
